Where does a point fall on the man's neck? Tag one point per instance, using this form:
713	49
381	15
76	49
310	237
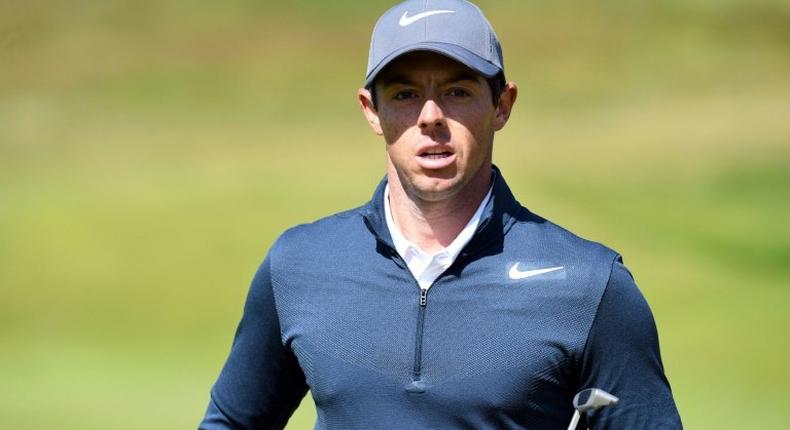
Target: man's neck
433	225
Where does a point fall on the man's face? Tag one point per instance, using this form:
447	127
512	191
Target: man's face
438	120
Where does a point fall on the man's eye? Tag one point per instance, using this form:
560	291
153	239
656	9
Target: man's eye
458	92
404	95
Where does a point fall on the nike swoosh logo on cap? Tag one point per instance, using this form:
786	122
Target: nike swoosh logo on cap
518	274
407	20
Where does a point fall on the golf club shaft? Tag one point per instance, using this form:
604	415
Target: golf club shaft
574	420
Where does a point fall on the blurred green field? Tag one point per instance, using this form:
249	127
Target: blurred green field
151	151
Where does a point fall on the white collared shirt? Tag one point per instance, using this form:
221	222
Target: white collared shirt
427	267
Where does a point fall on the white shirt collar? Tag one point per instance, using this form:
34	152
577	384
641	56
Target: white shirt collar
427	267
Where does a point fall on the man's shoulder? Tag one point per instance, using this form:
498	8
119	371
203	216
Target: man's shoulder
541	233
335	231
329	222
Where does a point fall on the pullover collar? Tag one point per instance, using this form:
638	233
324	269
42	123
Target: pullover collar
499	214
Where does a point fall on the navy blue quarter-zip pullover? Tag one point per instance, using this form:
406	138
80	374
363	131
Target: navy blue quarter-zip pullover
498	342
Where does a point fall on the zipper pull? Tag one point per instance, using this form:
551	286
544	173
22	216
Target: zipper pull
423	297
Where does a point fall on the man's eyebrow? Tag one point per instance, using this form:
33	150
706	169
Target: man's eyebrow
396	79
464	75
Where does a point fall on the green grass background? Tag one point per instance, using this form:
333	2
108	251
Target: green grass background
151	151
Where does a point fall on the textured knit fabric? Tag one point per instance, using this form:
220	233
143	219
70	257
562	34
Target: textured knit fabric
479	351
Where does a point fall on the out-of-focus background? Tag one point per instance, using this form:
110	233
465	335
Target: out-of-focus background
151	151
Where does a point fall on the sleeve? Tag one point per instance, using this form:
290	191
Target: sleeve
622	357
261	383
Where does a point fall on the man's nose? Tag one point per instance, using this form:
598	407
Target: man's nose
431	116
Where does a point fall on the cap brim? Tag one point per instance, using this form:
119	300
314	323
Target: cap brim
455	52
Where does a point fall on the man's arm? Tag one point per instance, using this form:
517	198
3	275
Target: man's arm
622	357
261	383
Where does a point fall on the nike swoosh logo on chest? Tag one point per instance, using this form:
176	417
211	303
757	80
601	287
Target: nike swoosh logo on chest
514	273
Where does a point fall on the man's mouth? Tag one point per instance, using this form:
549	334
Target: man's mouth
435	155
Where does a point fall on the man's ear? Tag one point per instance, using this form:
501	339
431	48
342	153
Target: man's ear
369	110
505	106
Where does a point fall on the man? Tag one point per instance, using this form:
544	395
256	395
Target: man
442	303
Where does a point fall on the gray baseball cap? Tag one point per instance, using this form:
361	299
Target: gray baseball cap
454	28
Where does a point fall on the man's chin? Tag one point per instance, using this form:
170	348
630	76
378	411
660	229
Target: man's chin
435	189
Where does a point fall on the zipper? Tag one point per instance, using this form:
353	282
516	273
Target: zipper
420	329
416	385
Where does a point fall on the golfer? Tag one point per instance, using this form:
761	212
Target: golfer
442	303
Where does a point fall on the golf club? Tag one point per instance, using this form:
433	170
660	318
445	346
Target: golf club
590	399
